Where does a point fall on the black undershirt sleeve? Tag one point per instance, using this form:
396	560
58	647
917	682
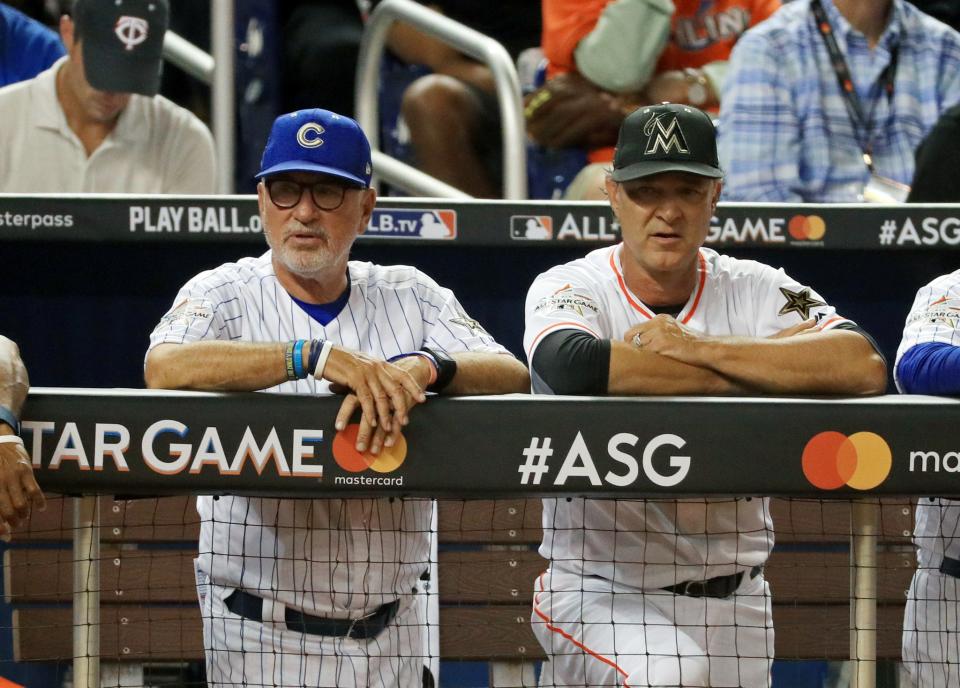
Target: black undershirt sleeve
571	362
854	327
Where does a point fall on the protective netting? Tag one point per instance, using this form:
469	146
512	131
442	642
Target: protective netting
465	584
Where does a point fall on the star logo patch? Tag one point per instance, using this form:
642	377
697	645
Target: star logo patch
798	302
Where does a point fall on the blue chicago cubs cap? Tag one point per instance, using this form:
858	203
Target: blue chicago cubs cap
317	140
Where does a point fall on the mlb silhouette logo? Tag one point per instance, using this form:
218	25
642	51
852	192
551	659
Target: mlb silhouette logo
531	227
413	224
438	224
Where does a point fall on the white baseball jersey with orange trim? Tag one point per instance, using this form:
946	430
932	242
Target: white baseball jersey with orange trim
326	557
650	544
931	630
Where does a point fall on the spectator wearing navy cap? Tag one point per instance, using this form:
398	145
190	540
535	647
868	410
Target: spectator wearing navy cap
321	592
93	122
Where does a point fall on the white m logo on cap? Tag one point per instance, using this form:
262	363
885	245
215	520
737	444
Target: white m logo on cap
132	31
304	137
667	138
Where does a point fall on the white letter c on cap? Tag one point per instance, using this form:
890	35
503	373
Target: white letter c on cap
307	141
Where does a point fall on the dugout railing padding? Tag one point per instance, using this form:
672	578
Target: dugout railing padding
118	442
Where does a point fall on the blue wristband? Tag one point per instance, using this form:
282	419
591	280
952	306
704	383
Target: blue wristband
298	359
6	416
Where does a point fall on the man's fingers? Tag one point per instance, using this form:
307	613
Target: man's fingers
17	498
368	404
411	385
405	392
33	492
7	512
392	437
364	433
381	401
347	408
390	379
377	443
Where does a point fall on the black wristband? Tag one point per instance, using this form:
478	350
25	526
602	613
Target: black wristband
446	369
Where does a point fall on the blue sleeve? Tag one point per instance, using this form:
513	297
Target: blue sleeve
28	47
930	368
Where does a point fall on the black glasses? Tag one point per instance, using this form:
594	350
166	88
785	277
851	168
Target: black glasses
326	195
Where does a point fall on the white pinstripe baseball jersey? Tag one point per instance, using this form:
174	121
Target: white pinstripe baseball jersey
934	317
330	556
655	543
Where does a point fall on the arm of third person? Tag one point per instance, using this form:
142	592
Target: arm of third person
18	486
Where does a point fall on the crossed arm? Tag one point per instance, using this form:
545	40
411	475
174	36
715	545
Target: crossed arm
661	356
384	392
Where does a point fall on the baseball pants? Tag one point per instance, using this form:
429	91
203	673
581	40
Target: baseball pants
600	634
931	633
243	652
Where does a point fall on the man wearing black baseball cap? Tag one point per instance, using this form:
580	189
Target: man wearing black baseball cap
331	587
93	122
671	592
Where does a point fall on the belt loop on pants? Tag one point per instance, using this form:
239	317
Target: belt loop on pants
951	567
250	606
720	586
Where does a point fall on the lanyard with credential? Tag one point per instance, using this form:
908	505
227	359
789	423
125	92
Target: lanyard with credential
863	125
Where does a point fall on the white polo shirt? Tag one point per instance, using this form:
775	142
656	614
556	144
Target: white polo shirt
156	146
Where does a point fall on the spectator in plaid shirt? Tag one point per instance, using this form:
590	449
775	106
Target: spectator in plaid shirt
788	133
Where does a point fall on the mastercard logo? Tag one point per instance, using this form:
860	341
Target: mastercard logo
807	227
349	459
861	461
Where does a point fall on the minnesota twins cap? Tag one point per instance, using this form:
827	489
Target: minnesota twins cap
122	43
317	140
666	138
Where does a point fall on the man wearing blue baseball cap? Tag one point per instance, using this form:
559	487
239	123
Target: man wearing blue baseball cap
322	592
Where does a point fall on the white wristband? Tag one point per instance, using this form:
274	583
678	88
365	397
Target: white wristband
322	360
11	439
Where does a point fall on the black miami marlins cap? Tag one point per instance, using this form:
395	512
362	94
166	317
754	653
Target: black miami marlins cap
666	138
317	140
122	43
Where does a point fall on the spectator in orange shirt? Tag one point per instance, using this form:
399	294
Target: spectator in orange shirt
608	57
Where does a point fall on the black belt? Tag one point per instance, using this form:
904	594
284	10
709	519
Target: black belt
251	607
721	586
951	567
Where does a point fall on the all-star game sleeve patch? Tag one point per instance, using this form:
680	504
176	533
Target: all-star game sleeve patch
566	300
799	302
943	311
188	312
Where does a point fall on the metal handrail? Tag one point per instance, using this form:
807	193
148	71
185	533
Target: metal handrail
472	43
179	51
203	66
223	91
